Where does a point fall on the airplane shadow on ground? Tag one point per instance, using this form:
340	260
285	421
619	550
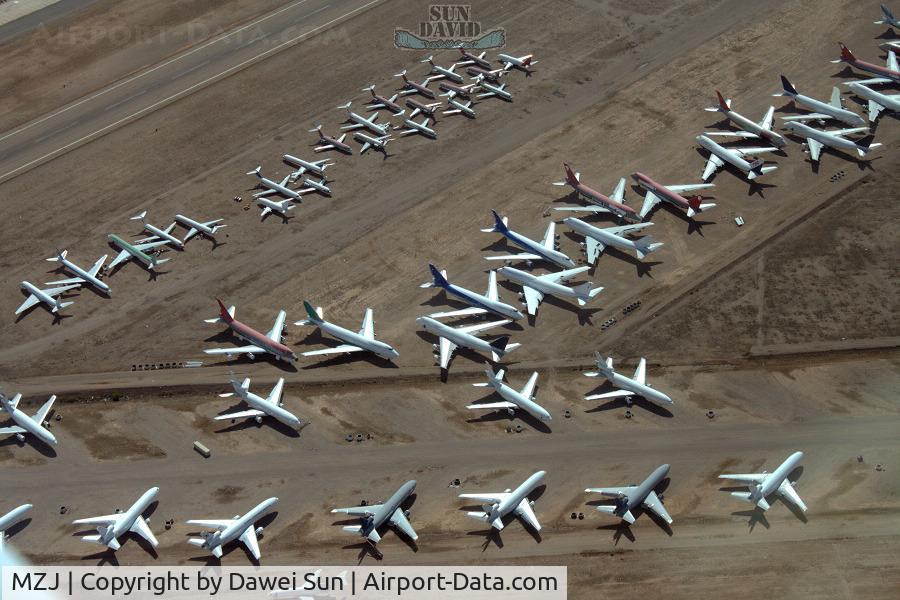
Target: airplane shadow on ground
211	561
17	527
614	403
493	535
40	446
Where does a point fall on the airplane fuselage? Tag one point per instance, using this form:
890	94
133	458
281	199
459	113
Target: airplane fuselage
460	338
479	301
511	502
236	529
423	129
497	91
874	69
368	123
355	339
421	107
525	403
317	167
888	102
13	517
840	114
825	138
88	278
726	154
47	299
542	285
451	75
773	481
384	513
529	245
466	110
272	409
137	509
200	227
640	389
751	126
647	486
277	187
248	334
592	196
661	191
24	421
163	235
387	103
142	256
604	237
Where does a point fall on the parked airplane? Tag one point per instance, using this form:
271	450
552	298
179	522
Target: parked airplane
260	407
156	233
543	250
601	202
241	528
535	286
492	75
380	102
10	519
513	399
630	497
890	45
657	192
112	527
596	239
363	341
128	251
205	228
47	295
282	207
719	155
440	72
479	303
269	343
420	128
360	122
81	276
877	101
497	505
471	59
630	386
817	139
890	73
522	63
367	141
833	109
762	485
303	166
326	142
451	338
274	187
492	90
459	108
374	516
428	110
25	424
452	90
412	87
749	129
888	18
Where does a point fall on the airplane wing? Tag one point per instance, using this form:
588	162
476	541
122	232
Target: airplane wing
141	528
892	61
98	265
587	209
368	326
342	349
459	313
150	245
815	148
754	151
523	256
492	292
237	350
640	374
524	511
650	200
614	492
241	414
104	520
493	406
30	301
528	390
120	257
562	275
12	429
619	193
874	109
766	122
358	511
42	412
549	240
219	524
249	539
274	396
740	134
712	164
481	326
678	189
533	299
745	477
787	492
399	520
653	503
873	81
615	394
487	497
593	249
447	348
278	328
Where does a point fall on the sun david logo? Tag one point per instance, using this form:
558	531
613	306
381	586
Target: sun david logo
449	26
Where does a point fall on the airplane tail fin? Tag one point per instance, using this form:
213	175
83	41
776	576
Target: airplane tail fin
226	315
585	292
140	216
501	347
724	105
572	178
788	88
59	256
846	55
499	224
887	13
347	105
439	278
256	172
315	316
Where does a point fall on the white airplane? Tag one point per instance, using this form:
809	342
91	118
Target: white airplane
282	207
888	18
138	251
762	485
375	515
657	192
274	187
451	338
25	424
719	155
413	87
492	90
596	239
10	519
513	399
156	233
817	139
440	72
543	250
326	142
47	295
380	102
459	108
228	530
630	386
420	128
833	109
205	228
523	63
303	166
427	109
889	46
363	341
260	407
260	343
359	122
630	497
535	286
112	527
497	505
877	101
367	141
81	276
749	128
479	304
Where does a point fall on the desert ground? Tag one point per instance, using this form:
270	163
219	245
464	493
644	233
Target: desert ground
785	328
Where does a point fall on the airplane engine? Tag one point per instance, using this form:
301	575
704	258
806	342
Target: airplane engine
258	420
20	438
259	531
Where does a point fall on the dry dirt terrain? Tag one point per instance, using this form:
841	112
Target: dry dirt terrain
786	328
